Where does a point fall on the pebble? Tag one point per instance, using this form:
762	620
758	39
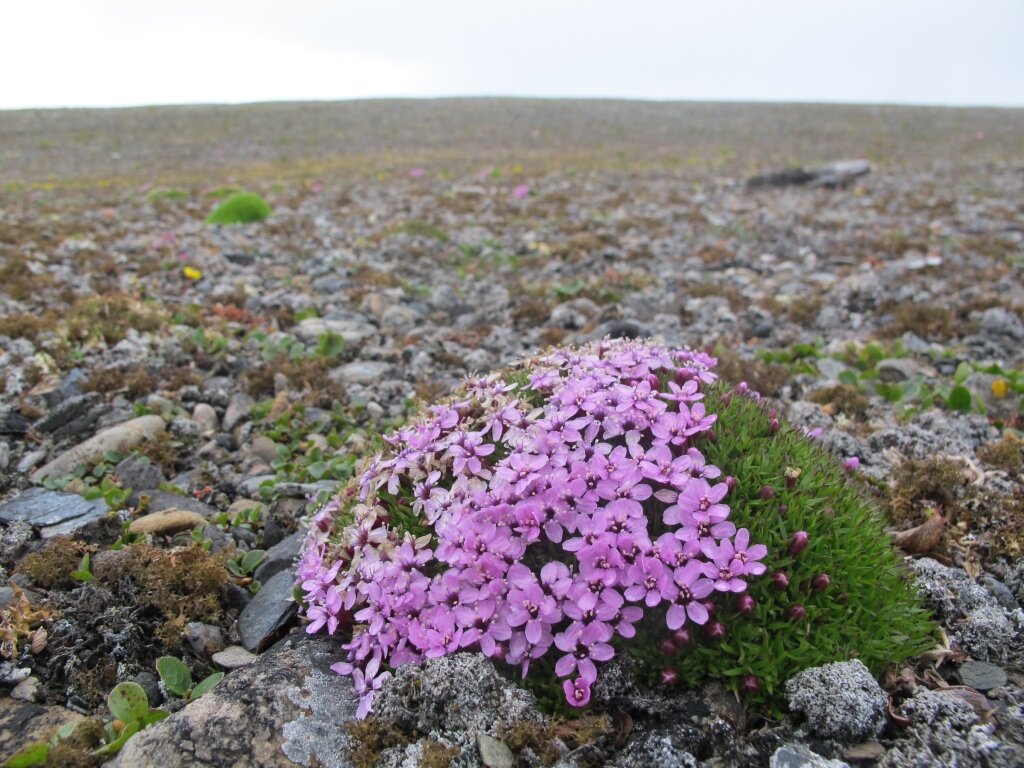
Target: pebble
281	556
361	372
206	417
28	689
204	638
139	474
5	455
166	521
67	411
264	448
799	756
239	408
233	657
494	753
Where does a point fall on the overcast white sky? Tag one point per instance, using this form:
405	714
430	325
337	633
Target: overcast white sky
59	53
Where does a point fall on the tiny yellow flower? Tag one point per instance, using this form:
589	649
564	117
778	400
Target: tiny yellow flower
191	273
1000	387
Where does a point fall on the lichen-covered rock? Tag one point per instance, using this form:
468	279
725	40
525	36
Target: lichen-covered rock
454	693
1015	581
839	701
945	730
799	756
661	747
285	709
975	619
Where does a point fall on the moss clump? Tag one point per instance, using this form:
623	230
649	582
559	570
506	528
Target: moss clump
786	483
368	738
53	565
435	755
929	321
550	739
110	317
841	398
1007	454
136	381
919	484
183	584
241	208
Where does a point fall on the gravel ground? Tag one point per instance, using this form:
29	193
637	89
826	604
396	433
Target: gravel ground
163	378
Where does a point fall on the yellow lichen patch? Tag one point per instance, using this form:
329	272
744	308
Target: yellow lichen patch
19	622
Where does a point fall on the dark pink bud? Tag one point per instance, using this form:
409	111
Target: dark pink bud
820	582
730	482
682	637
726	399
709	606
773	426
741	388
745	604
715	630
780	580
766	492
829	512
783	509
851	464
796	612
499	652
667	647
654	382
669	676
797	543
750	684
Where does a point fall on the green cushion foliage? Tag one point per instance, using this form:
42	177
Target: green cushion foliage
241	208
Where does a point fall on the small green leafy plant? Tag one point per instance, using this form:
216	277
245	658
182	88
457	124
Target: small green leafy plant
240	208
243	565
177	679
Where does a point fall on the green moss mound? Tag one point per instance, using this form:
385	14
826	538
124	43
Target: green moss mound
868	611
241	208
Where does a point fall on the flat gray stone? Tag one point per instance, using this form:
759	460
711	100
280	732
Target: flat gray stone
354	330
361	372
233	657
982	675
268	613
897	369
799	756
494	753
239	408
55	514
66	412
285	709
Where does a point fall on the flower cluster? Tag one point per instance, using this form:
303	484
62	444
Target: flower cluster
542	515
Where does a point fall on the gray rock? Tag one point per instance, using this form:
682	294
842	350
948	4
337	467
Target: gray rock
799	756
841	701
23	722
161	500
982	675
573	315
185	429
830	368
5	455
835	174
151	685
975	619
268	613
204	638
28	689
1015	581
285	709
139	474
999	591
233	657
280	557
1001	323
14	540
55	514
454	693
121	438
263	448
67	411
494	753
446	299
239	408
361	372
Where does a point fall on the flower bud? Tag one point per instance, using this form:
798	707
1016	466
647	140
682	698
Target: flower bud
820	582
780	580
851	463
783	509
667	647
715	630
682	637
796	612
745	604
742	388
710	606
798	543
773	426
669	676
726	398
750	684
730	482
654	382
829	512
766	492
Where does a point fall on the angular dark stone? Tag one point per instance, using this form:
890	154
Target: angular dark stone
13	423
54	513
982	675
67	411
139	474
281	556
269	612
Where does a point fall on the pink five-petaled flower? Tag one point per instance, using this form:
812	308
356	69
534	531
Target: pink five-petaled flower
692	589
699	513
583	645
577	692
529	605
